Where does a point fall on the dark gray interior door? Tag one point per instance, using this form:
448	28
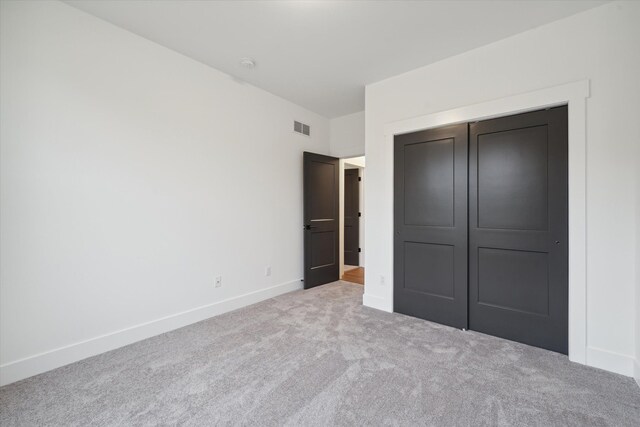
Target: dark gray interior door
518	253
430	215
321	220
352	217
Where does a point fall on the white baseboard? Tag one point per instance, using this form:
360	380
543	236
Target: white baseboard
376	302
609	361
39	363
636	371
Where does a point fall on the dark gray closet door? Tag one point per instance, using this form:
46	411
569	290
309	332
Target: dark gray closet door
430	215
518	257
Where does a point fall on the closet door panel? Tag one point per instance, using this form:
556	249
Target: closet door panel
430	221
518	254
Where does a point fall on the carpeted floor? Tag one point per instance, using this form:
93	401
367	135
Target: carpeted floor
319	357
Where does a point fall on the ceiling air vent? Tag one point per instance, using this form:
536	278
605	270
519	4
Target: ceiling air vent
301	128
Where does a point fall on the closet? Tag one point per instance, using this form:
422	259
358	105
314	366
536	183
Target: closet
480	227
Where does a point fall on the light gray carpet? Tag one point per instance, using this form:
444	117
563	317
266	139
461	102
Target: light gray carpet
319	357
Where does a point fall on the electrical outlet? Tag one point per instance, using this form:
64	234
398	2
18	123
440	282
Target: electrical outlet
382	280
267	271
218	281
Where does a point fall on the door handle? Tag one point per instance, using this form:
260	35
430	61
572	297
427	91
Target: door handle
309	227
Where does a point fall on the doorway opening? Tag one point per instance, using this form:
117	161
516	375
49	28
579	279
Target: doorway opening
333	214
352	171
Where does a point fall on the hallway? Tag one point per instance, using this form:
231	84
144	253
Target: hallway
354	275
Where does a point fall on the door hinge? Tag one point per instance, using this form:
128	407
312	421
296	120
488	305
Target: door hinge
359	214
359	179
359	249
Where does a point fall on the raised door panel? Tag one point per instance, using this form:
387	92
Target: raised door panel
512	179
429	183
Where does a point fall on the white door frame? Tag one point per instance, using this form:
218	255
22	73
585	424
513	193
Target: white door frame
574	95
342	168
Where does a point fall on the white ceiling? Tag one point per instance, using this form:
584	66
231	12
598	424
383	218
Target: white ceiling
321	54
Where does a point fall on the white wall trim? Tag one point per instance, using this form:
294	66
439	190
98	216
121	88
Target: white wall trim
636	371
39	363
610	361
574	94
376	302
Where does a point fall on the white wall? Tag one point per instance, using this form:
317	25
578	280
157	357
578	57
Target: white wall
601	45
347	135
347	142
131	176
359	162
637	337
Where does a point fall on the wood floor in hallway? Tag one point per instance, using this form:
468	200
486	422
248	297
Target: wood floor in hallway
355	275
